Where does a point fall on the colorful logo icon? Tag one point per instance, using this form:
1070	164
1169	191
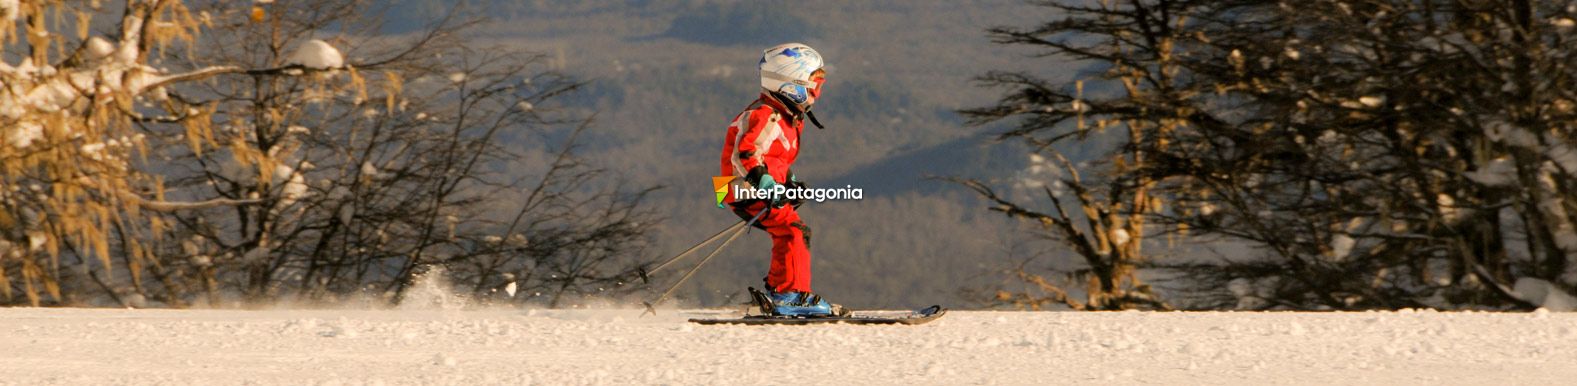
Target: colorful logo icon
720	187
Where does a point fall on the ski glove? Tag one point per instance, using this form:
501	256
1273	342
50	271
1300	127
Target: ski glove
770	184
795	183
760	179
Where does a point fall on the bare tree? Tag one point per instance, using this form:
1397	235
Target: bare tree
1114	209
72	176
1102	234
403	153
1375	155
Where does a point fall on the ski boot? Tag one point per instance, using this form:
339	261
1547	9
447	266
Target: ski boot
796	304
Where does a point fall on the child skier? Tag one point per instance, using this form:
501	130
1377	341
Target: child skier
762	143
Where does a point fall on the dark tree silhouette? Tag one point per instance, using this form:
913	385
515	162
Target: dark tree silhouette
1373	154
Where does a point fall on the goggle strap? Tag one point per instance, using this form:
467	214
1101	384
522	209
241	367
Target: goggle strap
782	78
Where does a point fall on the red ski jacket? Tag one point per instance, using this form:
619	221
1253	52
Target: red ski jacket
761	140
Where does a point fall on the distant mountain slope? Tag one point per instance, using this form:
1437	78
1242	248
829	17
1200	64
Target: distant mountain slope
970	156
744	23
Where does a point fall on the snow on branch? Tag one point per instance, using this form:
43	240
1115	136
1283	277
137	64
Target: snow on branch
318	55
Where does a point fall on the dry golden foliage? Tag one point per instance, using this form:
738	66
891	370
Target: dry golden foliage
70	145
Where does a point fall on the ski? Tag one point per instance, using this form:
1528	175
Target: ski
767	317
916	317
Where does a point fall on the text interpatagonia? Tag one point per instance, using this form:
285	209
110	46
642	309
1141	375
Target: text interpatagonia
847	192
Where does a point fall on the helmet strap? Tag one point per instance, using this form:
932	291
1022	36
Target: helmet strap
813	120
793	108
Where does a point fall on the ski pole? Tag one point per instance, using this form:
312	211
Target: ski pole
644	272
651	307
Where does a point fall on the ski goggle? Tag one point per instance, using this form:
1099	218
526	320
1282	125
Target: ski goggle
819	77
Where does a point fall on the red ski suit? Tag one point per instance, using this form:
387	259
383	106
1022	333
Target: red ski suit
765	136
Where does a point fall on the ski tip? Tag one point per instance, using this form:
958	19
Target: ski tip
644	278
650	309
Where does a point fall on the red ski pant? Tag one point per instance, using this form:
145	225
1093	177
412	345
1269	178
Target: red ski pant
790	269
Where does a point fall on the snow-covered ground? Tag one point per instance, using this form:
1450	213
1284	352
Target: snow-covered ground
300	347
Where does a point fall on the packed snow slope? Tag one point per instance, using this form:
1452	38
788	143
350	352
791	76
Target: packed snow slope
296	347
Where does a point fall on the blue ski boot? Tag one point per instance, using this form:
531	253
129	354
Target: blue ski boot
802	304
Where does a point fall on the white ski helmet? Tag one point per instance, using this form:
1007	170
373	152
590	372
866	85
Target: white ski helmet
786	73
